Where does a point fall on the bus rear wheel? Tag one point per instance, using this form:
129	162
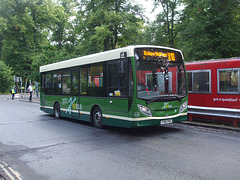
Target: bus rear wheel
56	110
97	117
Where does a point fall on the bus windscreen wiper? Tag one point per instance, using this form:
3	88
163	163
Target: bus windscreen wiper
152	100
178	97
171	97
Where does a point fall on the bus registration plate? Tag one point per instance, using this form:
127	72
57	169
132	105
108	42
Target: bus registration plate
168	121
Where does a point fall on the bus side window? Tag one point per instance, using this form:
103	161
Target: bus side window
43	77
48	84
189	78
75	82
66	83
131	88
228	81
95	76
83	81
96	85
199	81
57	83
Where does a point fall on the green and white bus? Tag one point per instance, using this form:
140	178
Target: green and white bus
132	86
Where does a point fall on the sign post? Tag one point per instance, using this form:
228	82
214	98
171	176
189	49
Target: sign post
25	86
21	87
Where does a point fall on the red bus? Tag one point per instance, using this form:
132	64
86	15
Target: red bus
214	90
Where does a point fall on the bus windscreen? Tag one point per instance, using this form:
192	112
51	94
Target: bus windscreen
160	75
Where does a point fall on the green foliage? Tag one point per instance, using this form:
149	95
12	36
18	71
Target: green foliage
110	23
48	54
163	29
39	32
156	34
210	29
6	77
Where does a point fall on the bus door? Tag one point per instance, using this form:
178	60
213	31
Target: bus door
118	87
75	100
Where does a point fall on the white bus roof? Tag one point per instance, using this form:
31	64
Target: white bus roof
98	57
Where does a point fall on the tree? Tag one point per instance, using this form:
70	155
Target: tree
26	28
63	26
210	29
6	77
49	54
107	22
19	35
167	20
15	26
155	33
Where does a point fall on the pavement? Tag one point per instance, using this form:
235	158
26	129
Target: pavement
211	125
25	98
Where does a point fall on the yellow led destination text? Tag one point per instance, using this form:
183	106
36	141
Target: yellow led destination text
170	56
159	54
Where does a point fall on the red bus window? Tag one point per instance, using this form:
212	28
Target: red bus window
228	81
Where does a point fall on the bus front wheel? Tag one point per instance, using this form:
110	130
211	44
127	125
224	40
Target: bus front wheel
97	117
56	110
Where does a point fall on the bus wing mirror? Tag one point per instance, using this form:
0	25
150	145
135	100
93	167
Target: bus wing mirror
123	55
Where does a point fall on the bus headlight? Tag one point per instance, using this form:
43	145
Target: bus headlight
183	107
146	111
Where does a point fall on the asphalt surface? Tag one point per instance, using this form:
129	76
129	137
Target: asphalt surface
34	145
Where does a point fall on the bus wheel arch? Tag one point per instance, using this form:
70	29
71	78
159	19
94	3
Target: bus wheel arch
96	117
56	110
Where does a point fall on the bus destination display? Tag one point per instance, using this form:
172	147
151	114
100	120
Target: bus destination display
170	56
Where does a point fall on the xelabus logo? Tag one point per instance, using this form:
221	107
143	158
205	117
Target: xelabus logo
69	109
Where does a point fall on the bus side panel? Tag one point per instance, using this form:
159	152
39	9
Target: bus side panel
110	108
66	105
43	106
70	108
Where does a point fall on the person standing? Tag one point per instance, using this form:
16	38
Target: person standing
13	92
30	89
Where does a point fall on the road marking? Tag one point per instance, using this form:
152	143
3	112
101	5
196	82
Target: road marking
12	174
6	171
152	141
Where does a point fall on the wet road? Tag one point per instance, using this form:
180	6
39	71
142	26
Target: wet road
33	145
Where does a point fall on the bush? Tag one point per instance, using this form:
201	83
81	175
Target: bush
6	77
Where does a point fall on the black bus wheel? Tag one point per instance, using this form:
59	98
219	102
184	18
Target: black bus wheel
56	111
97	117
